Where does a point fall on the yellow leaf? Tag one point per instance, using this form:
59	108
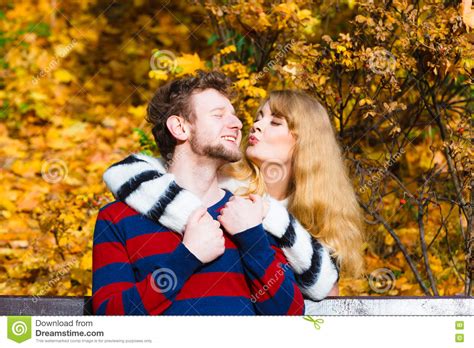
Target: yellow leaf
242	83
56	140
365	101
139	111
228	49
189	63
304	14
26	168
37	96
285	9
256	92
389	240
86	261
29	201
7	204
62	75
426	159
158	75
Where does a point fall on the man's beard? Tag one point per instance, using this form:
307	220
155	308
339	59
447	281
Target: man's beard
217	151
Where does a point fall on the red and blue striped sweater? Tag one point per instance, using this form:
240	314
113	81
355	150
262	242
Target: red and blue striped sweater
140	267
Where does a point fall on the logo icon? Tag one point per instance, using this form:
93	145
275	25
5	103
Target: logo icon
316	321
459	337
382	280
19	329
163	280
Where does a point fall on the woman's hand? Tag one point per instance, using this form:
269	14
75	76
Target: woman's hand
239	214
335	290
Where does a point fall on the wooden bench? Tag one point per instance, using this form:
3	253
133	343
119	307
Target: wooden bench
359	306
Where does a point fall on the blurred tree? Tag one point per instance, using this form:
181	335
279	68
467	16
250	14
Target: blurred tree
394	75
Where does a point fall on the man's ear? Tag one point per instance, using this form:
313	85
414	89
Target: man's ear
178	127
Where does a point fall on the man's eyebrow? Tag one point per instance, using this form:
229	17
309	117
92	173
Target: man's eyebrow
218	108
221	108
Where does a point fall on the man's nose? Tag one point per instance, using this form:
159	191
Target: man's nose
236	122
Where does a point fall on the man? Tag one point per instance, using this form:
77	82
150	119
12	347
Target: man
141	267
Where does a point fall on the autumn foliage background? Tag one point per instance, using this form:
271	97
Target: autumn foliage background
395	76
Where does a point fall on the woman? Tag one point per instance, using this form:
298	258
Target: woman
292	157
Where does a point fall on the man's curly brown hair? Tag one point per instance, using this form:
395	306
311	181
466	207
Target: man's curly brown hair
174	98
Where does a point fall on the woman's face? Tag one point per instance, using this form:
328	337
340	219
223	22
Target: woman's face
270	139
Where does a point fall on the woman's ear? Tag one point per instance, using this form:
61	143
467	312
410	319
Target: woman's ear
178	127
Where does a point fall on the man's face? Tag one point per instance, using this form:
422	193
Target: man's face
215	129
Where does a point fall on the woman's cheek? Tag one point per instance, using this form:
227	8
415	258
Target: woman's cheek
280	147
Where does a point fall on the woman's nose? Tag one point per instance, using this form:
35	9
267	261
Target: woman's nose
256	127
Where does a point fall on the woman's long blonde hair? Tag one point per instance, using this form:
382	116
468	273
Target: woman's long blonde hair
321	195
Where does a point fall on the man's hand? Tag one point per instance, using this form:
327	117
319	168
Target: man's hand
240	214
203	236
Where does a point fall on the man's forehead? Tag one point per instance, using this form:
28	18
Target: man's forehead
210	99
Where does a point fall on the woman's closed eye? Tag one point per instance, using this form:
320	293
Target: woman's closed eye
277	121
